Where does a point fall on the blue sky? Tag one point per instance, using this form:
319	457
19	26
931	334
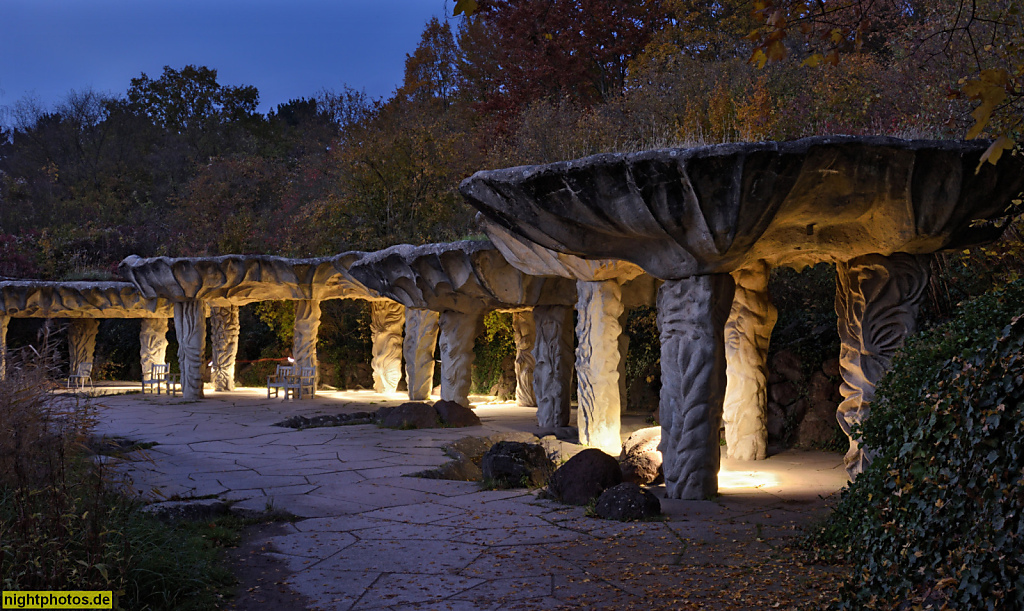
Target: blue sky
286	48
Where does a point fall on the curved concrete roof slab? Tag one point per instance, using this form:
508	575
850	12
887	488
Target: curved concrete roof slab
684	212
241	279
457	276
41	299
532	258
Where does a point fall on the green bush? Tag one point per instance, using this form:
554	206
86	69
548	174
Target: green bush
938	515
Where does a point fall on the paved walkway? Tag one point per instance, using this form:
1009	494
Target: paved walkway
373	539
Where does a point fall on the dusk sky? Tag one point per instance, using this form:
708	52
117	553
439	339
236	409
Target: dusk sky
286	48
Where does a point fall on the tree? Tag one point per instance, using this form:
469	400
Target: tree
981	42
519	51
193	105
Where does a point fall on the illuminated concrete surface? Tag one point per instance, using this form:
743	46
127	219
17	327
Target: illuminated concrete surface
373	539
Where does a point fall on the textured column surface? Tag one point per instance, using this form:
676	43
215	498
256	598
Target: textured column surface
599	305
746	353
82	341
152	343
224	330
525	334
386	321
877	301
623	351
418	349
307	324
4	319
458	332
190	327
691	320
552	374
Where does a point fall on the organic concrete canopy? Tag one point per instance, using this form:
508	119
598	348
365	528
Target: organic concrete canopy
40	299
687	212
711	222
464	276
242	279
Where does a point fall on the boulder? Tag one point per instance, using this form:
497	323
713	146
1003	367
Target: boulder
641	460
776	422
584	477
627	502
819	426
783	393
410	415
514	464
831	368
788	365
455	415
820	388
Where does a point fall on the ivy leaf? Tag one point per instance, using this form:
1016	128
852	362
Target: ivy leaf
813	61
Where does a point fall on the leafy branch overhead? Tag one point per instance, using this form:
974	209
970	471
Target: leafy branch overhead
981	39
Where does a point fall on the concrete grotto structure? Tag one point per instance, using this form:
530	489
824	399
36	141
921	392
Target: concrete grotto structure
217	286
456	284
709	219
695	230
84	304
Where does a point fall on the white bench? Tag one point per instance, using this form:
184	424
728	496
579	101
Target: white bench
295	381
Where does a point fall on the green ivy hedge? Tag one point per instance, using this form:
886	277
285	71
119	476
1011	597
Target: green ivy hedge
937	518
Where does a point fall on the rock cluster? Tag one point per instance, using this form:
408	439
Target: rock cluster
801	408
302	422
415	415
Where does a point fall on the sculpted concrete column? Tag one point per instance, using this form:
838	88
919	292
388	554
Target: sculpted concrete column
190	327
623	351
152	343
307	324
82	341
224	330
418	349
877	301
386	321
597	364
746	352
4	319
458	332
552	374
525	334
691	319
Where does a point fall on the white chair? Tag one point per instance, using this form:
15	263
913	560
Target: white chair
81	377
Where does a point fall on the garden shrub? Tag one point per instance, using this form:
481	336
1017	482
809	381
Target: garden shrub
937	517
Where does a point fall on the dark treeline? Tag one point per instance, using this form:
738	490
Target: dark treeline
181	164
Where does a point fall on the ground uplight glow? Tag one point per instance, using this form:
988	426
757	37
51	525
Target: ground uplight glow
746	479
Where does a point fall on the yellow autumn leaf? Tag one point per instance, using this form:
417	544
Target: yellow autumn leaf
813	61
759	58
995	151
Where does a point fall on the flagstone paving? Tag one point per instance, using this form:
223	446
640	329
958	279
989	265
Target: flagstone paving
371	538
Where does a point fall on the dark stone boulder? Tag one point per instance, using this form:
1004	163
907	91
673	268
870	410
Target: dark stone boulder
514	464
783	393
455	415
410	416
627	502
584	477
788	365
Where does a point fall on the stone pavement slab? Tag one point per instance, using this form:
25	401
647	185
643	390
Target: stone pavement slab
370	538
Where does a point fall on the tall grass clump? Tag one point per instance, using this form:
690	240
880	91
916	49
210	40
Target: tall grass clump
65	524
